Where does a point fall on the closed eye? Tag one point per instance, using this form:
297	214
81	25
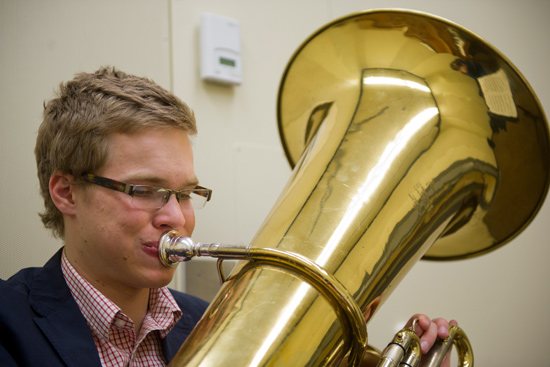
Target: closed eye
146	191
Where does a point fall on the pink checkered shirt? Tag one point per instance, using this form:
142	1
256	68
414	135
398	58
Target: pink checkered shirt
113	331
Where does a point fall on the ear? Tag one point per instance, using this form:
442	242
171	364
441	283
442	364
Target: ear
62	192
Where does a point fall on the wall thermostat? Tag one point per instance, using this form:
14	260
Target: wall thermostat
220	42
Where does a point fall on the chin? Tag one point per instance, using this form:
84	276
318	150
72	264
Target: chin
162	279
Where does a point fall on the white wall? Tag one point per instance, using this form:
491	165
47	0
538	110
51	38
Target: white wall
42	44
501	299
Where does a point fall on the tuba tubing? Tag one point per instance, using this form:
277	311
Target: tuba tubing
410	137
174	248
404	349
459	339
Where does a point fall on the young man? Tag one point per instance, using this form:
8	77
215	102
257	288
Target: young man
102	298
115	166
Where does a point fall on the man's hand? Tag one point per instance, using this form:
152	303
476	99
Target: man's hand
429	330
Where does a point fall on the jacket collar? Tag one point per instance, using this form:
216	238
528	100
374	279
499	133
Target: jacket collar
59	317
174	340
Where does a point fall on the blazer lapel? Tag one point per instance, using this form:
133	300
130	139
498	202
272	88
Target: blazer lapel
59	317
176	336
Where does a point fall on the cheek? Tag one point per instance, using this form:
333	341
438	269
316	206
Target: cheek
190	222
115	218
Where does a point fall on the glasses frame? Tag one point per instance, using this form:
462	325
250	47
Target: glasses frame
130	189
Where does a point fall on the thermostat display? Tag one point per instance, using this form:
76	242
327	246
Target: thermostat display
228	62
220	41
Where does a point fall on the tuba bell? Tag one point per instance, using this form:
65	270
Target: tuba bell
410	137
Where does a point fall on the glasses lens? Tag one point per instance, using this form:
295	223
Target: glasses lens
192	199
149	197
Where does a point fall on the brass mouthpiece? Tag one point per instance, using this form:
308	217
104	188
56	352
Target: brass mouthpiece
174	249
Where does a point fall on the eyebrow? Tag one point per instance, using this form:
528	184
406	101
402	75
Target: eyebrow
153	180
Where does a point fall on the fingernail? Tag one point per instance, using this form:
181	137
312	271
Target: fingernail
442	330
424	346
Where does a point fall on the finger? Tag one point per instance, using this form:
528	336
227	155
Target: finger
422	324
442	327
428	337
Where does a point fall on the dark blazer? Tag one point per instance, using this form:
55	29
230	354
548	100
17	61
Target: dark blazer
41	324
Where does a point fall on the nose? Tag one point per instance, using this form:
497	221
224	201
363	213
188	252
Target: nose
170	215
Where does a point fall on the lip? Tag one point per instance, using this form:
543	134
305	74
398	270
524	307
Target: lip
154	244
151	248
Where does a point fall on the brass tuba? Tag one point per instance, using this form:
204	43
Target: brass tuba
410	138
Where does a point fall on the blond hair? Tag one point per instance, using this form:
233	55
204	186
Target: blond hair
76	124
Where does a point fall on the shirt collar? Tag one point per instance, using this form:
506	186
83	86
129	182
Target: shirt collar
100	312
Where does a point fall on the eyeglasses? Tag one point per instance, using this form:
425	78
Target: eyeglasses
153	197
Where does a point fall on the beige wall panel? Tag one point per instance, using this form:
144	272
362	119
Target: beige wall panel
43	43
